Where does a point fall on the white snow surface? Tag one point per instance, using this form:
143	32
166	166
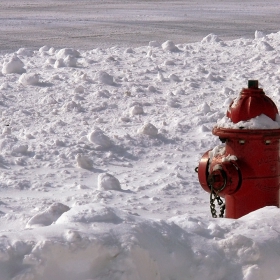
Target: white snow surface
260	122
92	189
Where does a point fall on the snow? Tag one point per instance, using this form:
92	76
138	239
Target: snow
13	65
99	147
260	122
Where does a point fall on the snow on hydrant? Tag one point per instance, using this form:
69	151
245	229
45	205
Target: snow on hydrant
245	169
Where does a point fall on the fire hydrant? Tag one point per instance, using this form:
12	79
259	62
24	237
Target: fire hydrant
245	169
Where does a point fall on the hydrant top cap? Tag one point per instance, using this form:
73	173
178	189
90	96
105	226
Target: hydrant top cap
253	84
251	103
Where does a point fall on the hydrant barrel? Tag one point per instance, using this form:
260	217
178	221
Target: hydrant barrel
245	170
257	152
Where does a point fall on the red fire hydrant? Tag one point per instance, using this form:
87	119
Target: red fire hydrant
245	170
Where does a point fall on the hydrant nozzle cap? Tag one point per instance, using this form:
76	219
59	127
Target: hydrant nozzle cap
253	84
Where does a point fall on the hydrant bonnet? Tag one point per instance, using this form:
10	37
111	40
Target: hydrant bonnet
251	103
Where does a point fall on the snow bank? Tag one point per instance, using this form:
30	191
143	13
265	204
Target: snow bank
120	245
98	163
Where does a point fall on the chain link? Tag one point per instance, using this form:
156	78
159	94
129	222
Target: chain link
215	196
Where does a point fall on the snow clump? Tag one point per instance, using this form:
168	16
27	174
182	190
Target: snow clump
59	63
25	52
48	216
63	53
108	182
29	79
154	44
204	108
169	46
174	78
136	110
264	46
259	34
211	38
13	65
70	61
44	49
104	78
148	129
98	138
20	149
84	161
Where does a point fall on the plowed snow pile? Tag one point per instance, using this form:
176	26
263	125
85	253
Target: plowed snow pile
98	151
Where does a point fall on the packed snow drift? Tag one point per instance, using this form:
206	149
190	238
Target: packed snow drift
98	155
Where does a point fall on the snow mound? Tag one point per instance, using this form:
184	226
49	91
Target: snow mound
148	129
88	214
98	138
13	65
29	79
48	216
63	53
169	46
108	182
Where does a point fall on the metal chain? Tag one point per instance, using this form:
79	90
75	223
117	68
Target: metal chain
214	196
